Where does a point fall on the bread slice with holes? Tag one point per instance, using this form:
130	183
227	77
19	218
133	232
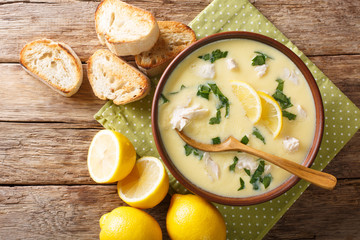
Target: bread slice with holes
174	37
125	29
114	79
53	63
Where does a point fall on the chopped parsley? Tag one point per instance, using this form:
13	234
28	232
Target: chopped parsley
189	149
280	85
247	171
181	88
203	91
216	140
164	99
288	115
244	140
283	100
258	172
216	119
233	165
259	59
242	184
266	180
257	134
214	55
224	101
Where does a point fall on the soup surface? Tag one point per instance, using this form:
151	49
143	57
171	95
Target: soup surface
200	99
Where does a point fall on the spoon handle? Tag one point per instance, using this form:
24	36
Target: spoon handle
321	179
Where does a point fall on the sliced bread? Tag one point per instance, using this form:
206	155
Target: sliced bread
174	37
54	63
114	79
125	29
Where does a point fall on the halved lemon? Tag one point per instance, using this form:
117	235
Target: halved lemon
271	116
146	185
111	157
249	99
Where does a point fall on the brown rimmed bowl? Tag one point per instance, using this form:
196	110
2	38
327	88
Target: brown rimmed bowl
290	182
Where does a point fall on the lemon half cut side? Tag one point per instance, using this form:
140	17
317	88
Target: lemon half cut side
146	185
111	157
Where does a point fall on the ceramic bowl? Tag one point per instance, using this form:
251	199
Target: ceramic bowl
318	130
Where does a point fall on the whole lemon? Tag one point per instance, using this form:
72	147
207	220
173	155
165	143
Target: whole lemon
129	223
191	217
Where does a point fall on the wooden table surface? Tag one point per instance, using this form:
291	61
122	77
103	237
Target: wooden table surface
45	188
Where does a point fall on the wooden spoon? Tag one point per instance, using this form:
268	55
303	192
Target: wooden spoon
321	179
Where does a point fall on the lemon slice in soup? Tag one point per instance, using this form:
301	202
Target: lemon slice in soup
271	116
249	99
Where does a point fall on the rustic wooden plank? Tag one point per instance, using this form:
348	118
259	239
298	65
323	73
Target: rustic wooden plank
320	214
42	153
27	99
61	212
317	27
72	22
72	212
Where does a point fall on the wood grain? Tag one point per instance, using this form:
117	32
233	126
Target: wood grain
72	212
316	27
322	216
61	212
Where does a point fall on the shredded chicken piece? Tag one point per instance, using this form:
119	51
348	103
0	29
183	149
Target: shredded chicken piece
211	167
183	115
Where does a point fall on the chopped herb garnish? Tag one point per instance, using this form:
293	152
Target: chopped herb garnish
255	186
288	115
217	119
244	140
215	55
224	101
164	99
257	134
247	171
280	85
189	149
282	99
181	88
242	184
216	140
258	172
266	180
203	91
233	165
259	59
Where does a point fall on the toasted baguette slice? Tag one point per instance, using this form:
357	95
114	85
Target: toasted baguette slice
53	63
174	37
112	78
125	29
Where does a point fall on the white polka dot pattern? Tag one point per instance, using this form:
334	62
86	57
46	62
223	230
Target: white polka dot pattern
341	118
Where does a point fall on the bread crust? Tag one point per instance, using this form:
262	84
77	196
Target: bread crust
134	85
174	38
67	92
125	44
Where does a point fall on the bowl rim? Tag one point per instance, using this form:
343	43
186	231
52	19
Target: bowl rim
292	180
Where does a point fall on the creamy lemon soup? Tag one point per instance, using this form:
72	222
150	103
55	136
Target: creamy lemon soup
240	88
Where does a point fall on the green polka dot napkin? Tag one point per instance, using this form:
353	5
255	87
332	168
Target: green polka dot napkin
342	118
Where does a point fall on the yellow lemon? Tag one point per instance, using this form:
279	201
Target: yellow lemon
127	223
111	157
191	217
146	185
271	116
249	99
